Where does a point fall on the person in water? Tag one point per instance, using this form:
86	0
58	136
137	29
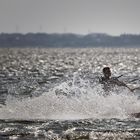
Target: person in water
109	82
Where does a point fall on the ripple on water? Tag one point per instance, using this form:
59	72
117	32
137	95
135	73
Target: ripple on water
62	84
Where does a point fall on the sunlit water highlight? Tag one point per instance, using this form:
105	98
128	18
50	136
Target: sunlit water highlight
54	93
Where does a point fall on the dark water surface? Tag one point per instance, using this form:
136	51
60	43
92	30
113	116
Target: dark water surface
55	94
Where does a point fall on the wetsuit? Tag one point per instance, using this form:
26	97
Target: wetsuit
110	84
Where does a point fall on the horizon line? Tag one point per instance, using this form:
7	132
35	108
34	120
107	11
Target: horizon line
69	33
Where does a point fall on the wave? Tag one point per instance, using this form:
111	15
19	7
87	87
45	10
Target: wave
72	99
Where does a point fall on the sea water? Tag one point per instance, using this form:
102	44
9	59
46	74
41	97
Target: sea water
55	94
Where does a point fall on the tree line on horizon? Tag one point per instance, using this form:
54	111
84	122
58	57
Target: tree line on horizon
67	40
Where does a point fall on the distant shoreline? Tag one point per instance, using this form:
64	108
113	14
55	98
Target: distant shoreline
57	40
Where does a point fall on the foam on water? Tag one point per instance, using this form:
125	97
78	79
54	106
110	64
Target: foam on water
73	99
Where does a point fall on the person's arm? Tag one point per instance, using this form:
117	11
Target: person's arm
128	87
120	83
136	88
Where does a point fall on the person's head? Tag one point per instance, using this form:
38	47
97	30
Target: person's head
106	72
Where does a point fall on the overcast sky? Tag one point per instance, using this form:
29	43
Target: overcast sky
77	16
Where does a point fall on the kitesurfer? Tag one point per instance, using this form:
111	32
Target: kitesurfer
109	82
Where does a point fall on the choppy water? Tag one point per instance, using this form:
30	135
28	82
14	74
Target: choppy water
55	94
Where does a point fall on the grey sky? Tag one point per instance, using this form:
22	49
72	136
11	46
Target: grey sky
78	16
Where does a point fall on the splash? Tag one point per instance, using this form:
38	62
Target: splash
72	99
